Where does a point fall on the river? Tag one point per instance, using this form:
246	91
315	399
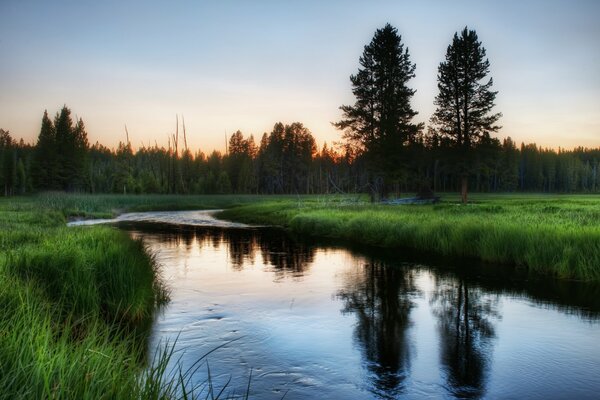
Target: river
310	320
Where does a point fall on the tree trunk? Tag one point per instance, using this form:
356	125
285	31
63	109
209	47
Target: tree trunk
464	187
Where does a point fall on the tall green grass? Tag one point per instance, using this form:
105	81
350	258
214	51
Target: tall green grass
555	235
75	305
74	302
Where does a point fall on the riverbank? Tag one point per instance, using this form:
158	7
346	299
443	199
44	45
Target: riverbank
75	303
73	307
556	235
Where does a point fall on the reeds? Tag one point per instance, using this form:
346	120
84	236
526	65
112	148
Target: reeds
75	303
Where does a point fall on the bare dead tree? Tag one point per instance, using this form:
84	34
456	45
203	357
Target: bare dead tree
127	134
184	135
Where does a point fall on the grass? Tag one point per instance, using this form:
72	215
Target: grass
555	235
110	205
75	303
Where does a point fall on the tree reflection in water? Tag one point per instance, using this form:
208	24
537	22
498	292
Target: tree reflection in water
466	317
286	256
381	297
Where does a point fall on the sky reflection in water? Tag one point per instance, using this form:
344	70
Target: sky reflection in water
318	321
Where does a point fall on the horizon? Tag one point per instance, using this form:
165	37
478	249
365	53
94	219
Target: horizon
141	66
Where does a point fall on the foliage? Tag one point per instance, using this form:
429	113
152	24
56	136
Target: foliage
379	123
555	235
60	157
75	305
463	117
287	162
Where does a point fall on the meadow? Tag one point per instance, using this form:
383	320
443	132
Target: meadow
75	302
556	235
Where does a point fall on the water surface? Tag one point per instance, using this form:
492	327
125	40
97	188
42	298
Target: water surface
314	321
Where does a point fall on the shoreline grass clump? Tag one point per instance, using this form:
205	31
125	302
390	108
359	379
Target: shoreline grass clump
74	308
556	235
99	271
76	303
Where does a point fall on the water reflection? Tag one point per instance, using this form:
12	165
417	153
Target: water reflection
466	319
288	257
380	296
328	322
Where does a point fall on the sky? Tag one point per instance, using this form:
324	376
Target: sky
229	65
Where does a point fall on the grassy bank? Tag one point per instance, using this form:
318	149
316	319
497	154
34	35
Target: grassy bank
550	234
75	303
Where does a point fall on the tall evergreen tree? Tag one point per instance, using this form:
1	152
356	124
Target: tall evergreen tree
79	165
7	162
464	102
63	126
45	161
61	153
379	123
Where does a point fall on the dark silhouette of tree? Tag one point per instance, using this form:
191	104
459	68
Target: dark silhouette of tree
379	123
382	299
464	103
284	159
240	163
298	150
61	155
123	180
21	178
8	167
285	162
509	167
63	126
78	164
45	162
466	323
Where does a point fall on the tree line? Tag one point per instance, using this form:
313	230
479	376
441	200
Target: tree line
284	161
383	152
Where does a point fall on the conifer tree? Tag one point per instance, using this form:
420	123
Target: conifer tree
379	123
65	146
464	103
45	162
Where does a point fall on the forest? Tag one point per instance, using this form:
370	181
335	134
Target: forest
285	161
382	152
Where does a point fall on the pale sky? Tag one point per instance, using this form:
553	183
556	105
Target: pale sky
228	65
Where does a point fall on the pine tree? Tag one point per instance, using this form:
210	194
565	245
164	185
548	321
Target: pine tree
7	162
379	123
63	126
45	160
79	163
464	102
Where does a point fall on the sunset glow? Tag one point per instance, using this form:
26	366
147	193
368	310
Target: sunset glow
247	65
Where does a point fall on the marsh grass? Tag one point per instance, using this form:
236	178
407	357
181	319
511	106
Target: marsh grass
74	301
75	304
549	234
